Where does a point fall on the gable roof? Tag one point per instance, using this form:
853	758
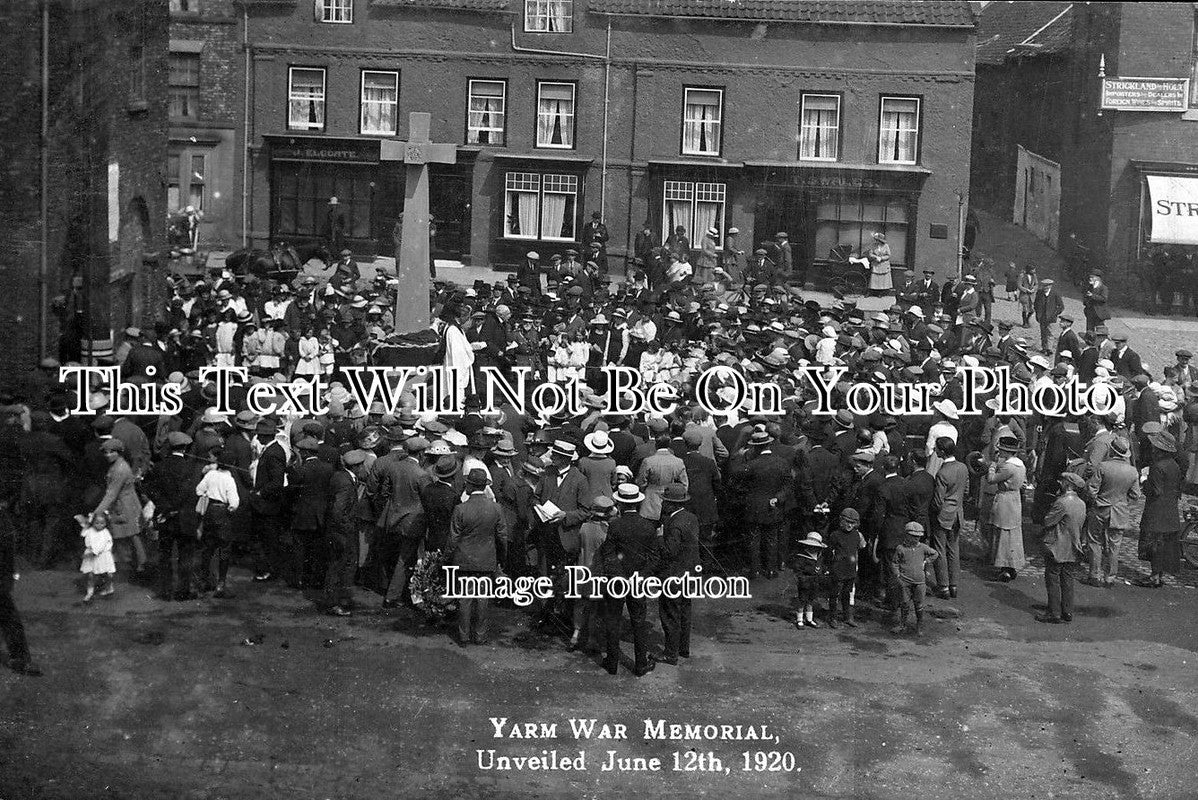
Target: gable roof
929	13
1009	28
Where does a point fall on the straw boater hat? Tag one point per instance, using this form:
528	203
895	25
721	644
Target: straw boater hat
947	407
629	494
563	448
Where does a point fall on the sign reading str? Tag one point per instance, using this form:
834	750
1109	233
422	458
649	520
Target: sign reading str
1174	203
1145	94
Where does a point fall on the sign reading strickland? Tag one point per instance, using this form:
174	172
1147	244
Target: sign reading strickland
1145	94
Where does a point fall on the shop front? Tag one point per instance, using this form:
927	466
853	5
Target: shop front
829	211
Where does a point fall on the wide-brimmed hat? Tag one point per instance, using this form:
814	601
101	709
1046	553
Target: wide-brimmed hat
675	493
599	443
760	437
1163	441
813	540
629	494
477	477
947	407
445	467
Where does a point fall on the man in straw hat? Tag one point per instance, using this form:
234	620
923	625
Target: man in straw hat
630	547
680	556
478	536
1061	538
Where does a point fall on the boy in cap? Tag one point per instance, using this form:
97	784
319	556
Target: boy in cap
845	543
1061	539
909	563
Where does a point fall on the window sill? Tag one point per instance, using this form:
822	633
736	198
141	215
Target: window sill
699	155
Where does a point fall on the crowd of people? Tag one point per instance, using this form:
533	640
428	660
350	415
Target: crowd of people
866	510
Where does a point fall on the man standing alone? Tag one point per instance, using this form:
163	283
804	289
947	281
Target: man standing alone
477	533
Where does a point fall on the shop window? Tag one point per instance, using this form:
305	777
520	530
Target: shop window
301	193
380	103
898	131
555	115
703	111
305	94
548	16
487	117
694	206
184	81
819	127
852	219
541	206
335	11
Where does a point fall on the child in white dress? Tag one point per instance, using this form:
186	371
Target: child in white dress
97	554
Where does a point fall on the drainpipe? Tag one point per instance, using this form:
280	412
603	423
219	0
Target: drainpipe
606	58
245	132
44	250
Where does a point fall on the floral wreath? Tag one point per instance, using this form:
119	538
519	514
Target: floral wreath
427	587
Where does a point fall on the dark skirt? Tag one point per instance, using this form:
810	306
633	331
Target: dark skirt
1162	549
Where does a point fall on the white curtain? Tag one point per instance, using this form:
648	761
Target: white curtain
378	104
820	127
678	212
707	215
555	110
559	16
554	214
307	99
526	211
898	130
700	133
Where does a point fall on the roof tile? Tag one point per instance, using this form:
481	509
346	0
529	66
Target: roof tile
953	13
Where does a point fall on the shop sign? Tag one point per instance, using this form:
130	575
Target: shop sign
329	151
1146	94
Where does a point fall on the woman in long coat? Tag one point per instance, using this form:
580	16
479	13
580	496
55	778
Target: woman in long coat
1160	526
1006	510
121	505
879	266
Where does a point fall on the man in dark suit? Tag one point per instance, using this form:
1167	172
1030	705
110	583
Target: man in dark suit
143	357
171	485
477	535
765	480
645	242
921	488
438	499
680	556
341	533
894	507
624	444
948	509
394	482
1047	306
927	293
1127	361
1087	360
1095	302
266	502
19	659
703	478
630	547
1068	338
309	484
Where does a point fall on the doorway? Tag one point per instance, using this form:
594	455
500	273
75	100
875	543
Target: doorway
449	205
789	211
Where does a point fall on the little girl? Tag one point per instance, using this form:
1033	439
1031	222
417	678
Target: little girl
808	566
97	554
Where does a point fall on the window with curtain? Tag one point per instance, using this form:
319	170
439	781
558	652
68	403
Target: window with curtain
173	164
305	93
555	115
184	80
334	10
694	206
548	16
898	131
819	127
487	115
540	206
196	181
701	122
852	219
380	102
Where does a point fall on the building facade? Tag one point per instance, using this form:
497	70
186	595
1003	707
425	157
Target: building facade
91	263
1049	156
827	120
207	69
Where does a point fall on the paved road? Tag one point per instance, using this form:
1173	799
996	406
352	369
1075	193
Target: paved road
148	700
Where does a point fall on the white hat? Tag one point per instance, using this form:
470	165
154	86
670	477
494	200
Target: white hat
733	230
915	311
813	540
947	407
628	493
598	443
1040	361
712	231
533	254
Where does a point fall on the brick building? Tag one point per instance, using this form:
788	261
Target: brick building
206	108
1047	155
829	120
103	182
